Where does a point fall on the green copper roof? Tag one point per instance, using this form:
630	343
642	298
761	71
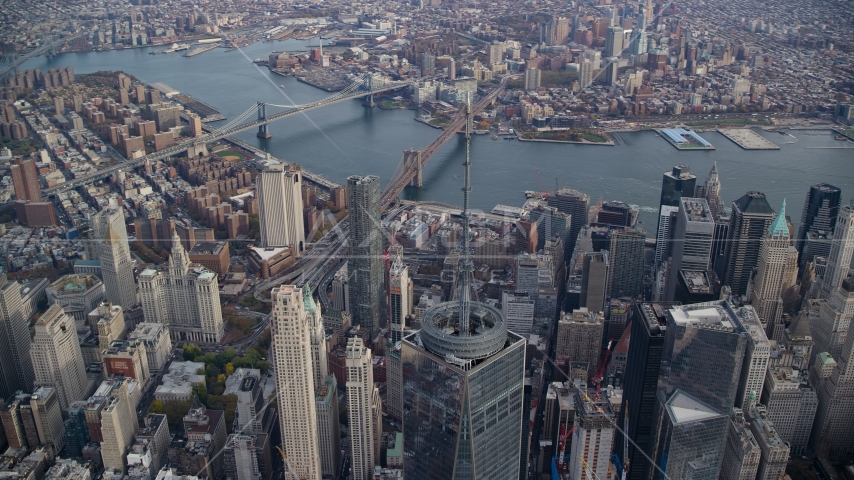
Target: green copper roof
308	300
779	225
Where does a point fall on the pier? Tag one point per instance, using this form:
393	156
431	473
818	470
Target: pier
748	139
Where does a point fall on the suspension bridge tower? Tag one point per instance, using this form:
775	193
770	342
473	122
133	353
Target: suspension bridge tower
369	98
262	116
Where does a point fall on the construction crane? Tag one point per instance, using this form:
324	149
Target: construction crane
597	379
563	438
587	469
286	466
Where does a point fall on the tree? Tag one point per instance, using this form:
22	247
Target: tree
191	351
157	406
201	391
229	369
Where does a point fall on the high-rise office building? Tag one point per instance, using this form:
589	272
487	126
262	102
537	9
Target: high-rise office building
841	250
579	337
291	342
394	381
756	359
711	191
575	204
585	73
195	124
551	222
365	263
626	263
690	434
751	216
829	328
741	457
33	419
777	270
692	240
667	216
613	42
518	308
16	365
791	403
25	180
361	397
56	356
612	70
692	438
774	451
119	423
677	183
593	436
464	387
594	275
328	426
185	297
562	27
834	419
319	366
241	458
76	429
280	208
399	301
495	53
326	402
639	42
428	64
532	78
649	327
110	234
817	222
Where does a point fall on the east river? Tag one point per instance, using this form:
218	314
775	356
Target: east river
346	139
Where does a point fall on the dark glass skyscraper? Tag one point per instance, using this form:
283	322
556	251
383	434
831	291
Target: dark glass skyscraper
820	211
649	326
690	431
701	362
575	204
750	218
462	397
677	183
365	263
463	384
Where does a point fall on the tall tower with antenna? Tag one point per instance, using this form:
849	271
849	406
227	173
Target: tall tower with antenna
468	371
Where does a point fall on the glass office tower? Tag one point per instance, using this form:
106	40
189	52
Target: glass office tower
690	438
462	397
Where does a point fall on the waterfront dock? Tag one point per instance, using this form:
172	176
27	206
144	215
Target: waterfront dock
208	113
683	139
200	50
748	139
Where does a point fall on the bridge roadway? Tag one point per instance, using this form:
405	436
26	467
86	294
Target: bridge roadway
226	132
408	172
314	177
10	62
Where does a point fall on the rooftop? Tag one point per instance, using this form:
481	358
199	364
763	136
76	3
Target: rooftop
716	315
207	248
697	210
440	332
242	380
683	408
779	227
754	203
74	284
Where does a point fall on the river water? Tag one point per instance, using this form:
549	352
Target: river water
346	139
